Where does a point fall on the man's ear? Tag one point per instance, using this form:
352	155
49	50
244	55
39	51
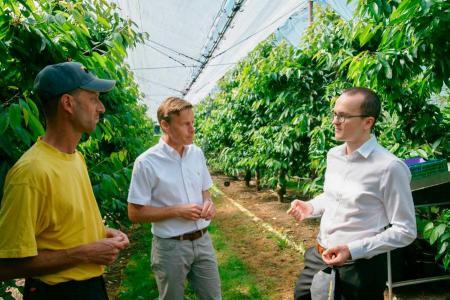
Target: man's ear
164	125
67	103
369	122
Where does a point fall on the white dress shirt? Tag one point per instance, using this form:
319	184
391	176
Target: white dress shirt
365	192
161	178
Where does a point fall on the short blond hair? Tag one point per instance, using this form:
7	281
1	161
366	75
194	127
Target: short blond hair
171	106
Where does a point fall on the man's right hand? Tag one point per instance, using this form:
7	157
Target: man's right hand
300	209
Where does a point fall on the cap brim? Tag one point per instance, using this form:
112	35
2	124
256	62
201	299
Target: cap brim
99	85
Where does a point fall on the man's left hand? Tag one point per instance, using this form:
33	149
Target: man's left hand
336	256
209	210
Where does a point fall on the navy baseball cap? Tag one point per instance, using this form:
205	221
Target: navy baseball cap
65	77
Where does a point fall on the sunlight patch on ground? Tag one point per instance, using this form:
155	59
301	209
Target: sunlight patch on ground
297	246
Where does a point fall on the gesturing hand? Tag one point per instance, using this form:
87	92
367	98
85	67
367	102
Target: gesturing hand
300	209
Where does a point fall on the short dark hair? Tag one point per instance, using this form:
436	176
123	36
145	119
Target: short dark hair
48	104
371	104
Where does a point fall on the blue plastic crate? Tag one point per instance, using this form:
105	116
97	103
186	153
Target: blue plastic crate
420	168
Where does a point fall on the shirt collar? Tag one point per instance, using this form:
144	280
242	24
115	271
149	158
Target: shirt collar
367	147
170	150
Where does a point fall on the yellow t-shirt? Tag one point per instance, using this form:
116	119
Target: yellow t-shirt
48	204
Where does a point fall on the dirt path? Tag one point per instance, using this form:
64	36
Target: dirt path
275	263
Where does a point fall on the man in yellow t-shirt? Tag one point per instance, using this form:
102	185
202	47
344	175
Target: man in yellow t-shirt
50	225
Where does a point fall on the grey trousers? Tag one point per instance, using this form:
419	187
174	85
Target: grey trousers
174	261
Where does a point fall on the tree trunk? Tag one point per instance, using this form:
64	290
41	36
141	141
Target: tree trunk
281	186
248	177
258	179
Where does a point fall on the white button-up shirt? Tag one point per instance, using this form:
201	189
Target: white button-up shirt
365	192
161	178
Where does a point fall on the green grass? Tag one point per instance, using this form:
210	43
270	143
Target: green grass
139	283
237	282
281	243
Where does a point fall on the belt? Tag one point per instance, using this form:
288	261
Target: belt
320	249
191	236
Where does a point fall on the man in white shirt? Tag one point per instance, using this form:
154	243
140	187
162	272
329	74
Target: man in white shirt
169	188
366	206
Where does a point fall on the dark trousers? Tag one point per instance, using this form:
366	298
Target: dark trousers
90	289
363	279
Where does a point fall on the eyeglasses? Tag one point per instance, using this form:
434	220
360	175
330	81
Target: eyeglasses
342	118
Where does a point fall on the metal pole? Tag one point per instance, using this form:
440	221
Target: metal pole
389	273
310	10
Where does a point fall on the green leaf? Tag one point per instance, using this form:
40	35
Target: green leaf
33	107
367	33
443	248
60	19
437	232
103	21
122	155
4	121
373	7
422	153
14	115
436	144
388	71
428	228
445	236
25	115
36	126
394	148
23	135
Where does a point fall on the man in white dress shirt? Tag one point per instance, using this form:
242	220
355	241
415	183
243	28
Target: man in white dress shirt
366	206
169	188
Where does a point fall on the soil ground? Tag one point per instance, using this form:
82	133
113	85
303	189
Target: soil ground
243	214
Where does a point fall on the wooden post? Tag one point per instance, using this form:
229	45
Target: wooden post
310	15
